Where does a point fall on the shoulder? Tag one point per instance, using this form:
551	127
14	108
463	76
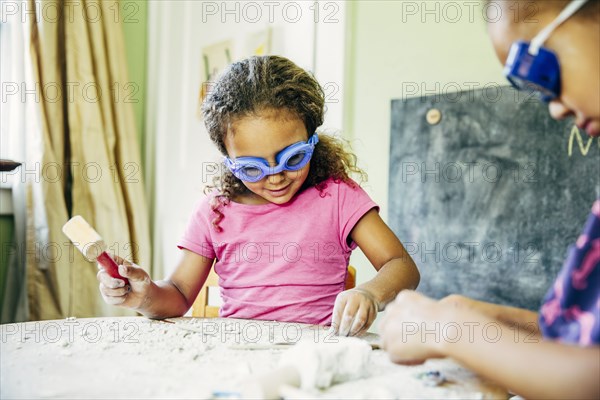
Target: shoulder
333	185
208	204
343	189
343	193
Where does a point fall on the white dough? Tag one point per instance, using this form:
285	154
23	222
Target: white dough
324	364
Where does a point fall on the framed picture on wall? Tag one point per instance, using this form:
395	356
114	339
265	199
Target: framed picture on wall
217	56
214	59
257	44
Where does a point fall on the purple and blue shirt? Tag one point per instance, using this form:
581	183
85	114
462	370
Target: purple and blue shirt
570	312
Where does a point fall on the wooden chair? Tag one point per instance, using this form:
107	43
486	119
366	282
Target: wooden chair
202	309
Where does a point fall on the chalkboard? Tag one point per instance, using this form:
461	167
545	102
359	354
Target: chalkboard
488	199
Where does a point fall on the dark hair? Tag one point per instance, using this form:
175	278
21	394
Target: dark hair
262	83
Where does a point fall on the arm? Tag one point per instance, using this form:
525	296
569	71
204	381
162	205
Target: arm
521	362
356	309
171	297
515	317
396	269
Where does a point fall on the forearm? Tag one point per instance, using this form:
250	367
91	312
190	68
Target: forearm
515	318
395	275
163	300
522	362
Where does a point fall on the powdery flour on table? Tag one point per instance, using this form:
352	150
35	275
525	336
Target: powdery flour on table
194	358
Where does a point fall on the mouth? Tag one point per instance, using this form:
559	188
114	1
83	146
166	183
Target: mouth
279	192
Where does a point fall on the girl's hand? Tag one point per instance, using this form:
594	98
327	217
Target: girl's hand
354	312
115	292
410	328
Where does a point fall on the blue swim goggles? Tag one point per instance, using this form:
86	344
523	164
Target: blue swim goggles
292	158
529	66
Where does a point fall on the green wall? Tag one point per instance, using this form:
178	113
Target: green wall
135	21
6	240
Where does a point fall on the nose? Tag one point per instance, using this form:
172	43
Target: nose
558	110
276	178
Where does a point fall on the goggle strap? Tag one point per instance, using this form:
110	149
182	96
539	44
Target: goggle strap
543	35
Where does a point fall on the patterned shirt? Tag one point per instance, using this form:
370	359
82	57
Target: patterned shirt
571	309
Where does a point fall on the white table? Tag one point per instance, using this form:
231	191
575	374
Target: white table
134	357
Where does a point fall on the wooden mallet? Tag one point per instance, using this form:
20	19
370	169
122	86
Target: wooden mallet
91	245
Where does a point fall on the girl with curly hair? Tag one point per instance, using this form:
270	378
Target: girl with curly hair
281	221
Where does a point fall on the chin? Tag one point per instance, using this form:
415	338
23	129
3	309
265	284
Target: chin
278	200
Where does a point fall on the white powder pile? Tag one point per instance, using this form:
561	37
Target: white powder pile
125	358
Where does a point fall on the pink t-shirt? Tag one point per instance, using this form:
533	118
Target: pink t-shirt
281	262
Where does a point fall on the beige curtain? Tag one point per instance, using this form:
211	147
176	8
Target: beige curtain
88	154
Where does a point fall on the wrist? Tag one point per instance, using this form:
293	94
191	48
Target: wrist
461	327
451	327
144	304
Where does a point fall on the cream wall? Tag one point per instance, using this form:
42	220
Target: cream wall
180	157
395	43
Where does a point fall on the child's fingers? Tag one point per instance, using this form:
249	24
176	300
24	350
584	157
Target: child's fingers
120	260
361	321
348	318
346	324
118	292
113	296
114	301
108	280
133	273
353	313
339	311
336	318
359	311
340	323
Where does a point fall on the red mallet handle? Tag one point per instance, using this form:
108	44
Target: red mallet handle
110	266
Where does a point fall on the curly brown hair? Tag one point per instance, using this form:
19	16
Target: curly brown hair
256	84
